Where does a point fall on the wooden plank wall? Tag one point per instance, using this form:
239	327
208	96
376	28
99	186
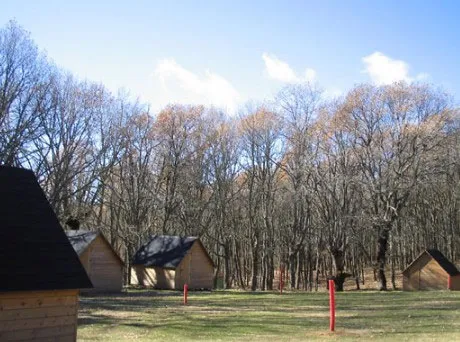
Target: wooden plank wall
425	274
103	267
39	316
195	269
84	259
433	277
153	277
455	283
411	280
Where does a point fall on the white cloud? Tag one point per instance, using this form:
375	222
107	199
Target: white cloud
281	71
385	70
278	69
310	75
180	85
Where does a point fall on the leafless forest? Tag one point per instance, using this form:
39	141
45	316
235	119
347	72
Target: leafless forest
320	186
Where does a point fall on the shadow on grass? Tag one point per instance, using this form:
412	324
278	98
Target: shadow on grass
239	313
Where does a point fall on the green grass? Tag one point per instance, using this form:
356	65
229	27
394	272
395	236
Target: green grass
244	316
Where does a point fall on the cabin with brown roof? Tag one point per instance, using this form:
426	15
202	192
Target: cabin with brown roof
40	273
102	264
431	270
169	262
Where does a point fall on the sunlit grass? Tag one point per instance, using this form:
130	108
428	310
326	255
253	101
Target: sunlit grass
244	316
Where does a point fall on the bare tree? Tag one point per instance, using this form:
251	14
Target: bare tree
299	107
262	150
24	84
393	128
338	195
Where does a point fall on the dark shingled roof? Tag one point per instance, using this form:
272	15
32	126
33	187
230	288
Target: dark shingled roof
164	251
443	262
35	253
81	239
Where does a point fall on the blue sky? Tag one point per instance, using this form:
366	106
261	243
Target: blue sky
228	53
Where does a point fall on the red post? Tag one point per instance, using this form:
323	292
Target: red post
281	280
449	283
331	305
185	293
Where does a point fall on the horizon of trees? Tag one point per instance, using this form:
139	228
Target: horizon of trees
320	187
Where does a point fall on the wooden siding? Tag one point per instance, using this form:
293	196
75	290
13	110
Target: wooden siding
103	267
425	274
39	315
455	283
153	277
195	269
411	278
433	277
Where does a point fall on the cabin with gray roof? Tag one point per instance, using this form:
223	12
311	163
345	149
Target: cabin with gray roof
40	273
169	262
102	264
431	270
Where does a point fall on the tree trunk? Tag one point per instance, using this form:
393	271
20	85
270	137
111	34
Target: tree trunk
271	271
216	272
339	280
292	269
237	263
128	263
382	246
264	272
307	271
227	272
255	266
299	269
338	265
393	274
317	266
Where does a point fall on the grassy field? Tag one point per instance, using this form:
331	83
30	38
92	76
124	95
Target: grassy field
244	316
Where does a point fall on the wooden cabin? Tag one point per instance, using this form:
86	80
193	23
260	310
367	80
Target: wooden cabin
40	273
169	262
102	264
431	271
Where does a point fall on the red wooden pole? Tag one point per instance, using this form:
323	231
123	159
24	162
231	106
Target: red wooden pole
331	305
449	283
185	293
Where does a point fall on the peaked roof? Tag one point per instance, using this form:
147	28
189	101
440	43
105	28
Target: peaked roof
35	253
81	239
446	265
449	267
164	251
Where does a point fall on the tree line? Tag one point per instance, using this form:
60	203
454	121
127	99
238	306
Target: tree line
320	187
